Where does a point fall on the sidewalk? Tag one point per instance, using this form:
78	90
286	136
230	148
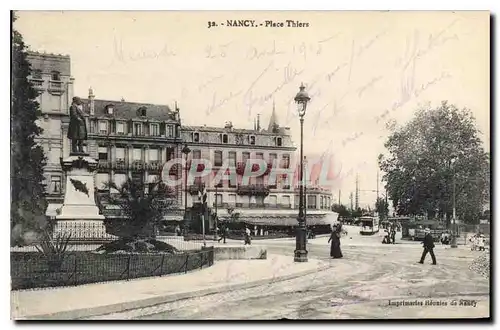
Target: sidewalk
111	297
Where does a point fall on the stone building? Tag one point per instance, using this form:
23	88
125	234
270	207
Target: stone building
136	139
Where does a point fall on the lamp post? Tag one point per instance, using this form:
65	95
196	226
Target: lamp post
453	243
185	151
300	254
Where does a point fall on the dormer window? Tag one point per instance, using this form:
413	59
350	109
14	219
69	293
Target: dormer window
137	129
109	109
103	127
279	141
141	112
224	138
196	137
155	129
55	76
252	139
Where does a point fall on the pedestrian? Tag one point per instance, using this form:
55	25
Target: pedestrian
385	240
481	243
335	251
247	236
177	230
223	232
393	235
428	246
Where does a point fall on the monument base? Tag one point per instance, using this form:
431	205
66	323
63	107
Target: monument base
79	216
83	231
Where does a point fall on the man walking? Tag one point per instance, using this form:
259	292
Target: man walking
223	232
428	246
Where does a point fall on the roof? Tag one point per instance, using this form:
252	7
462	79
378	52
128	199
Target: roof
128	110
232	130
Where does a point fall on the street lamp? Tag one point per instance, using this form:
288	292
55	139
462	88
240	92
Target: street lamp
454	236
300	254
185	151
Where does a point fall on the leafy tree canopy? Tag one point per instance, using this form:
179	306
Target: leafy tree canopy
424	156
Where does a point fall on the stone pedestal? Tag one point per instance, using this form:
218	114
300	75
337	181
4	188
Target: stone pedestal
79	214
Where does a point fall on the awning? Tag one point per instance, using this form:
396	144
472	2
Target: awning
52	210
288	220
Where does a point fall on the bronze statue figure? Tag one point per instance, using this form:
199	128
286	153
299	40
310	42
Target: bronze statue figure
77	131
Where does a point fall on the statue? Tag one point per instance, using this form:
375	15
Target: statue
77	131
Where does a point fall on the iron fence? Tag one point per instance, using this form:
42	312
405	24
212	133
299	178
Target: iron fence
34	270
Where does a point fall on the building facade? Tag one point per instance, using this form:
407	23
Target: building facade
136	139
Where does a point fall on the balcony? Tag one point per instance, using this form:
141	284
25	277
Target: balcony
37	83
195	188
154	165
119	165
253	190
56	87
103	164
137	165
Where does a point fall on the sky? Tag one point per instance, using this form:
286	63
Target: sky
355	66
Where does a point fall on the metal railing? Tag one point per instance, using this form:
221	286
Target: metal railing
34	270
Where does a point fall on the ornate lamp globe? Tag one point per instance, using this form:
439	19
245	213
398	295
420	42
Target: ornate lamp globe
301	99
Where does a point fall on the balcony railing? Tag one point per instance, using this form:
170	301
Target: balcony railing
137	165
253	190
37	83
154	165
195	188
56	85
104	164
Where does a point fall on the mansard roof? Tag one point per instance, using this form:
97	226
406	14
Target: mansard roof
128	110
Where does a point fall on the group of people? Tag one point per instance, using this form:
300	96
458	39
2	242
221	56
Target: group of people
478	242
389	236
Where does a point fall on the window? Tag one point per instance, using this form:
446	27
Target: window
55	184
252	139
218	199
273	200
285	201
109	109
103	127
224	138
232	158
170	131
297	201
103	153
321	204
217	158
196	137
232	200
141	112
272	158
155	129
100	180
55	76
153	155
278	142
196	154
138	129
120	153
259	155
311	202
120	128
245	158
120	179
286	161
137	154
260	180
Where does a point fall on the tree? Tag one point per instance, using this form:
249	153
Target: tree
27	157
143	208
437	145
341	210
382	208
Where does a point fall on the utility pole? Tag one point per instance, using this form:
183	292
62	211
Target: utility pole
357	192
350	197
339	196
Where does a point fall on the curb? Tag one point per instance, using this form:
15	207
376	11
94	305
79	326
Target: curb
148	302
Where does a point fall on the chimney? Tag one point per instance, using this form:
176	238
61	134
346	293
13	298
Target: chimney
91	102
258	122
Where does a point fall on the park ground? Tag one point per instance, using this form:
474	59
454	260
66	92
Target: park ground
366	283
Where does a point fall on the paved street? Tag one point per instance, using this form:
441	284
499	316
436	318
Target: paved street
372	274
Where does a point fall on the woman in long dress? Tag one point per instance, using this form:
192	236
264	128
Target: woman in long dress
335	251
